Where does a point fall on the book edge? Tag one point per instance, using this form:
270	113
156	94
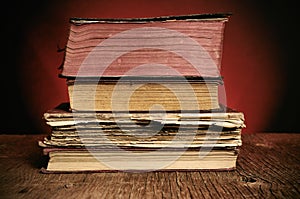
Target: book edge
189	17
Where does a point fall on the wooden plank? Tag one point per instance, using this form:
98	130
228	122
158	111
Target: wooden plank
268	167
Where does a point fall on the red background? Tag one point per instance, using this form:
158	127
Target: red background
257	64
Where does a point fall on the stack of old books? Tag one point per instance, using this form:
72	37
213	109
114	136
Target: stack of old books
144	95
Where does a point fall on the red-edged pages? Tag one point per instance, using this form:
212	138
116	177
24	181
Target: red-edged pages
188	45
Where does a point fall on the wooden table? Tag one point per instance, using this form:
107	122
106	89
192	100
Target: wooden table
268	167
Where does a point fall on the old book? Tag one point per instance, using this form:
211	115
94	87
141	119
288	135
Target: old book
219	128
143	94
188	45
101	160
63	116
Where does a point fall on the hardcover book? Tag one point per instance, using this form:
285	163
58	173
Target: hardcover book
143	94
113	47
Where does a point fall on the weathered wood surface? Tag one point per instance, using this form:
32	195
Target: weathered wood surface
268	167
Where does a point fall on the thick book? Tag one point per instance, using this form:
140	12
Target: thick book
103	160
188	45
143	94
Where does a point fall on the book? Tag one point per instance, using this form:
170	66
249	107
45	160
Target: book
141	94
63	116
189	45
102	160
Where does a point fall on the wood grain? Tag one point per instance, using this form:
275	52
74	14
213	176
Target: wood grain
268	167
